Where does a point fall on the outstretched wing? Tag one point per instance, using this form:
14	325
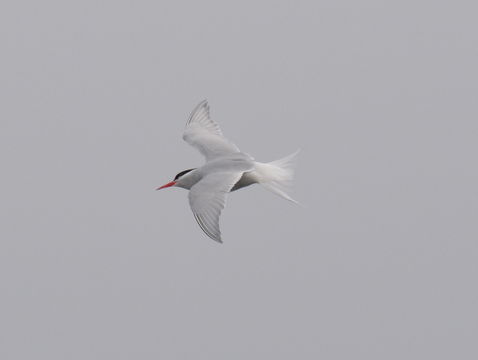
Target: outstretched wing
207	198
204	134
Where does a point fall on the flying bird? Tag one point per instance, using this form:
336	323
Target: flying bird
226	169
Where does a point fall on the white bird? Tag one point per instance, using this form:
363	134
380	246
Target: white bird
226	169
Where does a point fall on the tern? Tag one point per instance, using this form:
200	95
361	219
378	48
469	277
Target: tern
226	169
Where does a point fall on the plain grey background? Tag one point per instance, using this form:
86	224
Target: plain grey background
380	263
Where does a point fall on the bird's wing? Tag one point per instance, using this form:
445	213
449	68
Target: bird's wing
207	199
204	134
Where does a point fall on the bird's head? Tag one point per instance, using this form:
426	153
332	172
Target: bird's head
176	181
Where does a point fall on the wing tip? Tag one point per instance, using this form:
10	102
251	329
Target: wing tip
200	221
202	104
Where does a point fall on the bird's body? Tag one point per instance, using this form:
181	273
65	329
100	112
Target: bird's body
238	163
226	169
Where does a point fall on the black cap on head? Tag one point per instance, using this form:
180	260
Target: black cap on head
182	173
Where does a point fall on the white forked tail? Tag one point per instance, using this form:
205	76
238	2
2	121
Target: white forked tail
277	176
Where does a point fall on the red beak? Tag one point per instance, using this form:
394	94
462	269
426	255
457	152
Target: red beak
172	183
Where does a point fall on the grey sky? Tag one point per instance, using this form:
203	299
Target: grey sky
380	263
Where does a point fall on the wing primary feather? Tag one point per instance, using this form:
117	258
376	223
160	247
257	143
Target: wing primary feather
201	225
205	134
209	217
206	230
199	221
207	199
210	222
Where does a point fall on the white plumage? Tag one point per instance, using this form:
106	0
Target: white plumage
226	169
